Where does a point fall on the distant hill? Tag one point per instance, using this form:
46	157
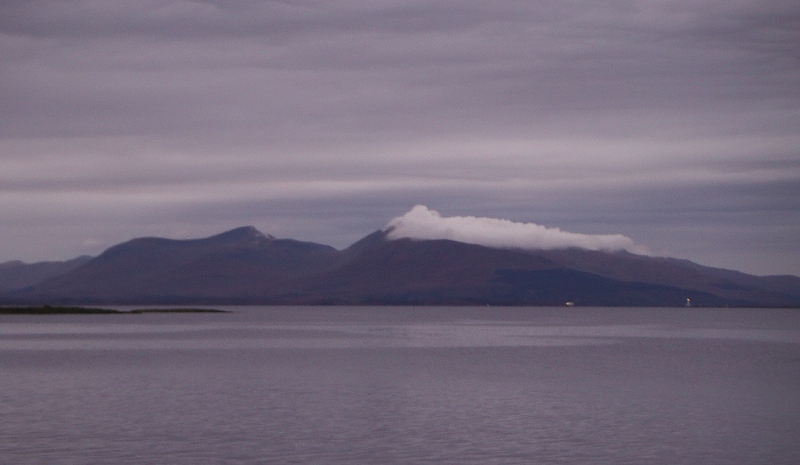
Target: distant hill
17	275
235	266
244	266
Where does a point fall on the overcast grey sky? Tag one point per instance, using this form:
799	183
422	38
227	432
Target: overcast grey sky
675	123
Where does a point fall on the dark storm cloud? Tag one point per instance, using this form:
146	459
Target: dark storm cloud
671	122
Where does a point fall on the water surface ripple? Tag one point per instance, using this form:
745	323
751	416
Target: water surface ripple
355	385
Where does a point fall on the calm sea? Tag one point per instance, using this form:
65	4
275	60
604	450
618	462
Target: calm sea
373	385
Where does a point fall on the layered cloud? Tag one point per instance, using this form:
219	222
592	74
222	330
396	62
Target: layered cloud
675	122
425	224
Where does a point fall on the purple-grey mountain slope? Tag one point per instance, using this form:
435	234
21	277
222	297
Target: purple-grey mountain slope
244	266
18	275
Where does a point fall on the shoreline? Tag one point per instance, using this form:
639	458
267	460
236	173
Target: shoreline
74	310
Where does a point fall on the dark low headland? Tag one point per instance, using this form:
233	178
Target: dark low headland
68	310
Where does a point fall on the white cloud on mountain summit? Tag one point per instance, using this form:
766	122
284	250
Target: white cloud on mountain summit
425	224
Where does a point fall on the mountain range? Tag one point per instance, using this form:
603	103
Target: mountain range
245	266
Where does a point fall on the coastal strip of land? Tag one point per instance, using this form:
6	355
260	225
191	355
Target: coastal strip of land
71	310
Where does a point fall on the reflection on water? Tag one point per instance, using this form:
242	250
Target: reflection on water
403	385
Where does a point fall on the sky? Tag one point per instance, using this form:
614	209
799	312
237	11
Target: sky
672	123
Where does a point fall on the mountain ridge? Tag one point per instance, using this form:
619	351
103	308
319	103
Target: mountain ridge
245	266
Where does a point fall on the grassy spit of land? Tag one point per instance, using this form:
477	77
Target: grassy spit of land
70	310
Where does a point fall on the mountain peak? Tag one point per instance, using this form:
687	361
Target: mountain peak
244	233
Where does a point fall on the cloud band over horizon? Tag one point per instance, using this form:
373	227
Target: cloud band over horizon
424	224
